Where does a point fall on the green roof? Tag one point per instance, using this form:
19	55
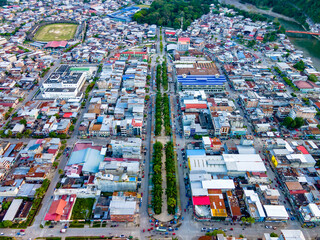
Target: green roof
82	69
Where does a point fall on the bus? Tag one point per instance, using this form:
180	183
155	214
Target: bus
161	229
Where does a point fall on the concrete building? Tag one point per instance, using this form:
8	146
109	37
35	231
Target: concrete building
65	85
13	209
208	83
276	213
254	205
123	209
183	44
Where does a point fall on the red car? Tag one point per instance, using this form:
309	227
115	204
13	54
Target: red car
143	230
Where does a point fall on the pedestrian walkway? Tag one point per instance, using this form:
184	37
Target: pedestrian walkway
164	216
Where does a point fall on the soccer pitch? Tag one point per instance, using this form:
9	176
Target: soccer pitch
55	32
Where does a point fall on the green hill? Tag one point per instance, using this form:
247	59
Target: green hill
3	2
169	13
296	9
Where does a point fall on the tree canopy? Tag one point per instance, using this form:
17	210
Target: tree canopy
288	8
290	123
3	2
169	13
299	65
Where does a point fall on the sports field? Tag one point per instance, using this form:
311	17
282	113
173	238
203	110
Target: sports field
55	32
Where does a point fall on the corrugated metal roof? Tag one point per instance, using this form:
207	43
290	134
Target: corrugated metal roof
199	105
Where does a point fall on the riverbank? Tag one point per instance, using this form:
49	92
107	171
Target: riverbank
310	45
252	8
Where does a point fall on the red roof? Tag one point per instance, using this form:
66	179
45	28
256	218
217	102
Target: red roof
170	33
55	44
197	105
141	53
317	104
303	149
259	174
201	200
91	179
81	146
303	85
6	104
184	39
56	210
121	159
136	124
298	192
67	115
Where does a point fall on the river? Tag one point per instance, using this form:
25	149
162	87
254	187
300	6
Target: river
308	44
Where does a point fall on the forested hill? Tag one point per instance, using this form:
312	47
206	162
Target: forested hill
3	2
291	8
168	13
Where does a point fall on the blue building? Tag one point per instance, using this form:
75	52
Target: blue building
208	83
125	14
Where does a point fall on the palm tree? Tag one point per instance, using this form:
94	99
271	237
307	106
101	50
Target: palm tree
171	202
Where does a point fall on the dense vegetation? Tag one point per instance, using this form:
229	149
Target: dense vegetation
171	190
158	77
169	13
290	123
300	66
166	114
287	80
292	8
158	115
82	208
310	7
253	16
165	76
157	178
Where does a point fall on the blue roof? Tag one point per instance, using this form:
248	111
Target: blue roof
201	80
9	151
196	152
100	119
89	158
124	77
34	147
132	179
241	55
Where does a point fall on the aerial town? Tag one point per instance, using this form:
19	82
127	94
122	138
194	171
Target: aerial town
114	129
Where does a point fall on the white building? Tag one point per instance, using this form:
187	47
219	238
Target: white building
64	86
310	213
13	209
291	235
276	213
254	205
